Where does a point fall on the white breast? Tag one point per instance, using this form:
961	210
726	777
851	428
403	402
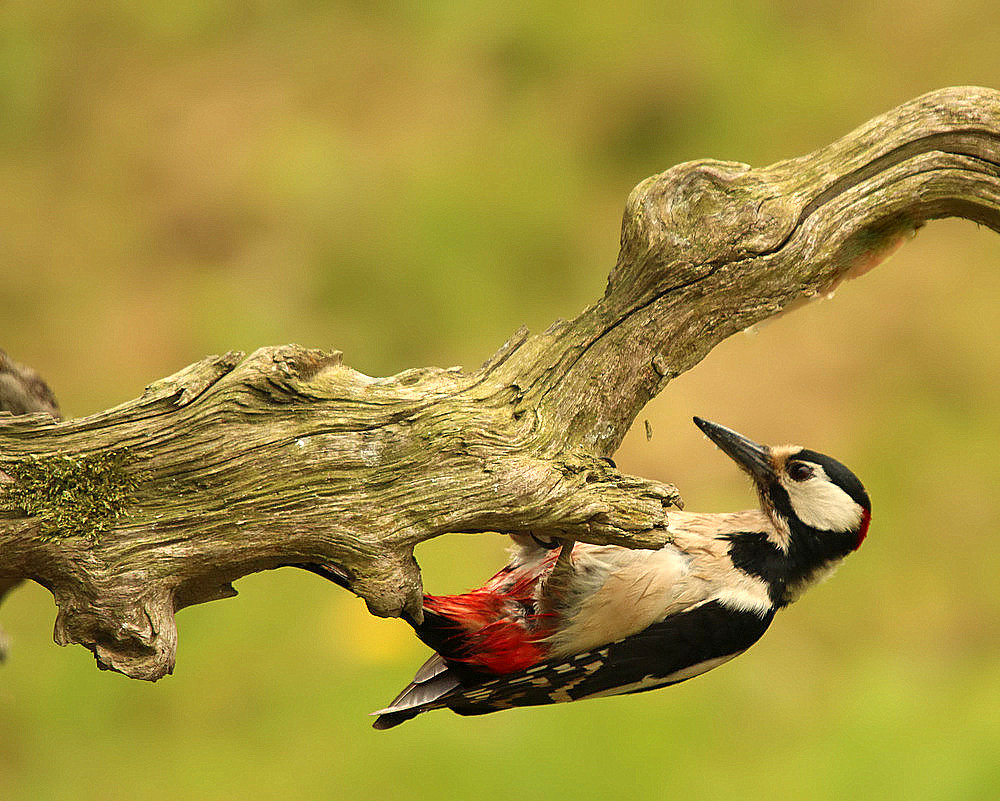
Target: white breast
619	592
628	591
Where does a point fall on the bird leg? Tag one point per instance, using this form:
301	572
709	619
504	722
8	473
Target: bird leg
559	581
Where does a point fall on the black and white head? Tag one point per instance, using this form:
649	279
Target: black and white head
820	510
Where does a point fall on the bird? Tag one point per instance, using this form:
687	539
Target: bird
568	621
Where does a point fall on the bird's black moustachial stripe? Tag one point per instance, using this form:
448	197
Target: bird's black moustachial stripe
809	550
710	631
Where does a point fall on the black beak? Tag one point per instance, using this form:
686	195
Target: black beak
754	458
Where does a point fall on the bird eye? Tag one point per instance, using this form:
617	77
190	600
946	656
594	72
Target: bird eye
799	471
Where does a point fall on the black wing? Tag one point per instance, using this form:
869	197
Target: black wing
678	648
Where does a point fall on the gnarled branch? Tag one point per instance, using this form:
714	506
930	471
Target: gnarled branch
243	463
22	391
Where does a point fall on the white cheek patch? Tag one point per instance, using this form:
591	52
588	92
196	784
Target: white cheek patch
821	504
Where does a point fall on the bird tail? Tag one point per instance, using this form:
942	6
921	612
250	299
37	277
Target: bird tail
431	684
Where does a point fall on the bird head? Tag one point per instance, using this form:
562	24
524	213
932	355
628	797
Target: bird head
813	499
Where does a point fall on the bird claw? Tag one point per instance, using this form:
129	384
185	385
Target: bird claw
560	578
549	544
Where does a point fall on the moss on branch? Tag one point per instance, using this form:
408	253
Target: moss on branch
72	496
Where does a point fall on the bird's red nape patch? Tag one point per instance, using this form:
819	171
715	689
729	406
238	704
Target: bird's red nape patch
866	520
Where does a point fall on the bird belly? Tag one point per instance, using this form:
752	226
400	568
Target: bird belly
623	598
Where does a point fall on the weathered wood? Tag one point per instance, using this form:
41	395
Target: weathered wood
243	463
22	391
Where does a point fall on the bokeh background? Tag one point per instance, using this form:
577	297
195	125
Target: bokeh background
410	182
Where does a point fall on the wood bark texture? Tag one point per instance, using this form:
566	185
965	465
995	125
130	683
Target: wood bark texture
242	463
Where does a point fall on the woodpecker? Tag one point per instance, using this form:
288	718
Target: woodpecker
593	621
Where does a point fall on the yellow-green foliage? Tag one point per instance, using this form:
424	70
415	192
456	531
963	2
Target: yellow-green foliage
72	496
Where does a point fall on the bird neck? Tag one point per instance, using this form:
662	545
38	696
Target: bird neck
693	529
790	558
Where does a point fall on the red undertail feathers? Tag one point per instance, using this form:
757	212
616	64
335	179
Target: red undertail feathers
495	629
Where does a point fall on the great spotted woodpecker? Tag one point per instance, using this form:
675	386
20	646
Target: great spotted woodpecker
604	620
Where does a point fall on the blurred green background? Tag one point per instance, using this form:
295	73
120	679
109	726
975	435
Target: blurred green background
409	183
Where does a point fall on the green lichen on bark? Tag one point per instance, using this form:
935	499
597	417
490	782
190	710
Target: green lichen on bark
71	496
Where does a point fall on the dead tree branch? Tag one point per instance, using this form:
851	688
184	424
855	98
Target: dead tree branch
242	463
22	391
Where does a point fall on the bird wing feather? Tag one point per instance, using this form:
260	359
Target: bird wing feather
668	652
